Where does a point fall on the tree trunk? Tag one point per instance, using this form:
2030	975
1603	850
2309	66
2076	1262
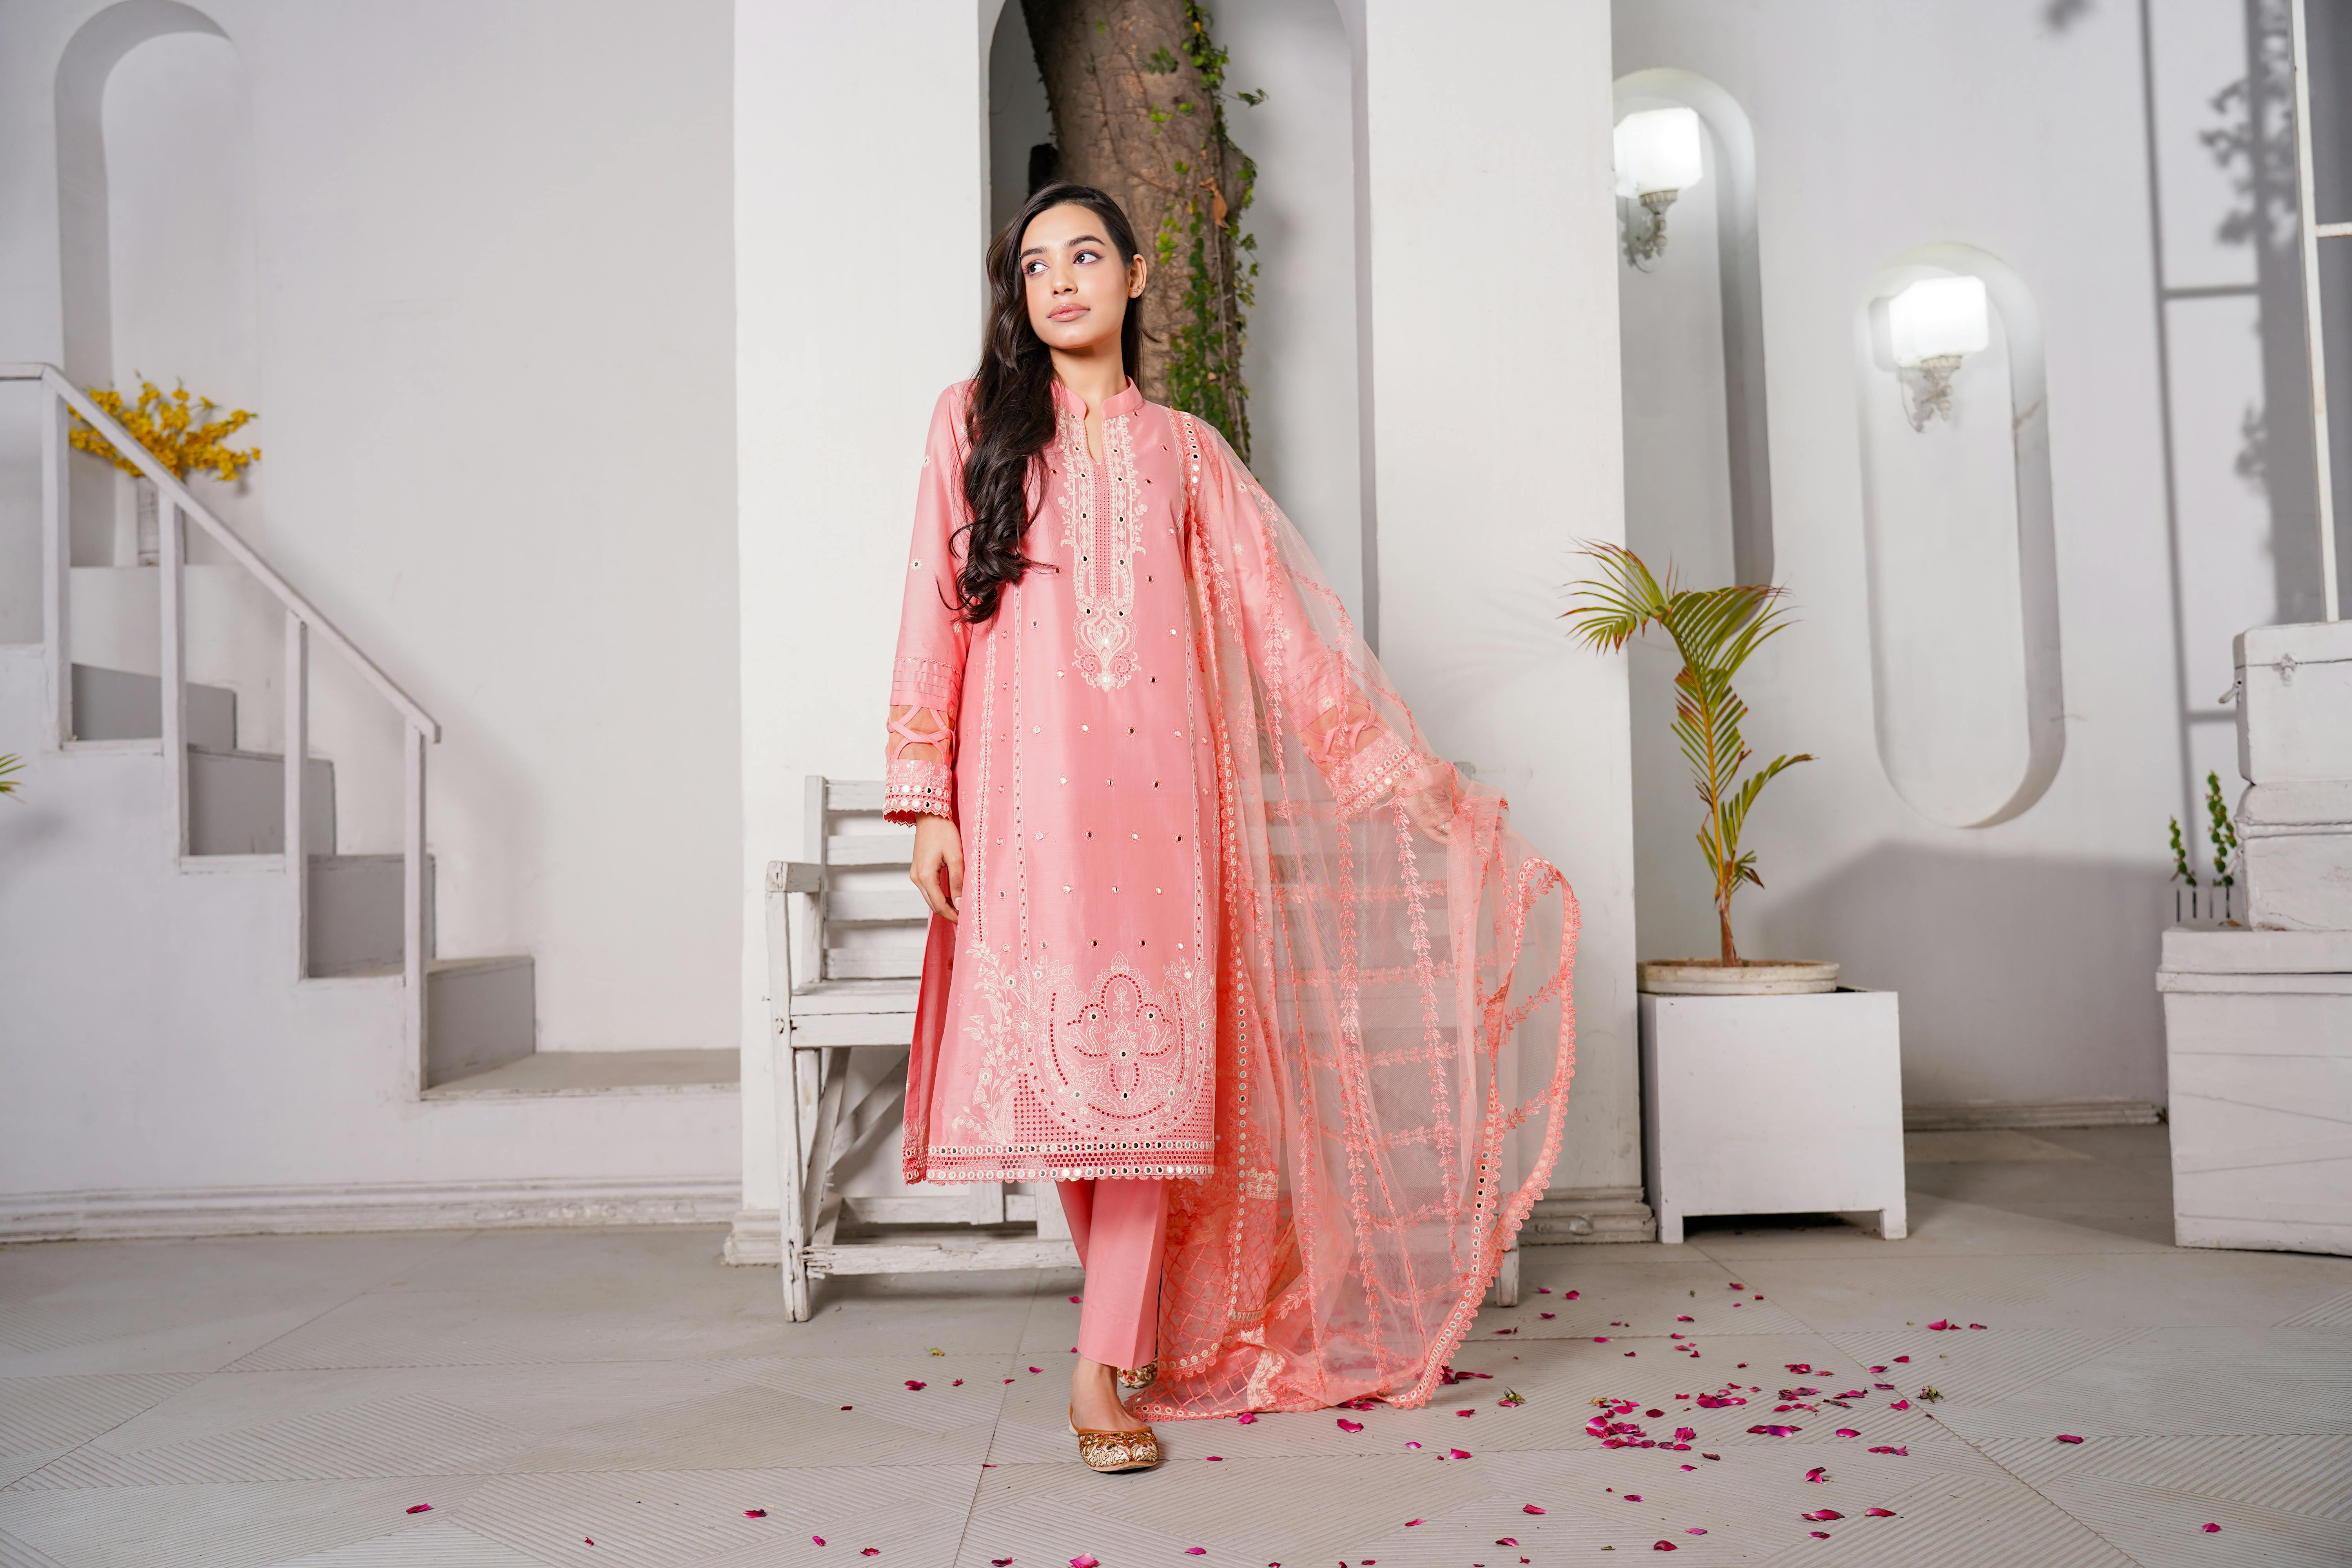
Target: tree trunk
1730	953
1134	89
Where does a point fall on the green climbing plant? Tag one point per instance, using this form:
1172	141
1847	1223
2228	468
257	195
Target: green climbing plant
1218	255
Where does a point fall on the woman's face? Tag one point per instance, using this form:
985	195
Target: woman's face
1077	291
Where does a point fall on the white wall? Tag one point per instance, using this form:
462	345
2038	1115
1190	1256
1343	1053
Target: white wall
2023	951
1306	423
842	345
1498	448
494	338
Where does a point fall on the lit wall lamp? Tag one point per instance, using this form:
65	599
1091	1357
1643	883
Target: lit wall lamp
1657	154
1931	327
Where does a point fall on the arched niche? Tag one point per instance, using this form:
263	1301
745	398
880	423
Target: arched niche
1719	237
156	232
1967	690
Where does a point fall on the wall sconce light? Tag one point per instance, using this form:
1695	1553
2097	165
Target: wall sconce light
1931	327
1657	156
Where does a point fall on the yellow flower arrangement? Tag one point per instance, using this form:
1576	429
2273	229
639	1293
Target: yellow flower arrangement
179	431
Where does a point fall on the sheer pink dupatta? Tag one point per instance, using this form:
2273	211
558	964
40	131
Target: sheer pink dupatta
1395	1035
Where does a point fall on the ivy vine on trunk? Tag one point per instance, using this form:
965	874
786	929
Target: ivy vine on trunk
1137	90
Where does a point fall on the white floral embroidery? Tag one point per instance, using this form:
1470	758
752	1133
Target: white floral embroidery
1103	533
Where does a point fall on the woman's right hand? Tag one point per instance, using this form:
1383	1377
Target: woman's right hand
938	869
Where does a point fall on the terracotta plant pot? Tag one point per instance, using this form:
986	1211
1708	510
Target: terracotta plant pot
1750	977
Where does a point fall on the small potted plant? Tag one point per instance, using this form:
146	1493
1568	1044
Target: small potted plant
1735	1052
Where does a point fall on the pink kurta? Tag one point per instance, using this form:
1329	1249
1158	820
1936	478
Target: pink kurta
1225	919
1078	1018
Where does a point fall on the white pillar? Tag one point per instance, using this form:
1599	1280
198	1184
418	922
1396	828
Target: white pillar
1492	423
861	205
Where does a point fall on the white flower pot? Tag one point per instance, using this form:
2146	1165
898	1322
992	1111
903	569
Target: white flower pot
1773	1104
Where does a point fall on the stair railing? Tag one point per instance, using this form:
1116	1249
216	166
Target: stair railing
175	505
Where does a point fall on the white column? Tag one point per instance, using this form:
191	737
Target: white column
861	204
1493	424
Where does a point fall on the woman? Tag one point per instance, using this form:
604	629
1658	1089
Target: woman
1217	944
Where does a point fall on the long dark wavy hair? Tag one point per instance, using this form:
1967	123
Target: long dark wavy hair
1011	418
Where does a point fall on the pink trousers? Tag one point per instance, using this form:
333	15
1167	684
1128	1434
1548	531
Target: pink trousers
1119	1227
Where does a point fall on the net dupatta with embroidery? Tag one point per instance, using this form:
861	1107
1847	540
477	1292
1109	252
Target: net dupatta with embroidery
1395	1031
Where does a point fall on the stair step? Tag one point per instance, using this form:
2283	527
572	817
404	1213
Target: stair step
236	803
359	905
479	1013
571	1073
117	705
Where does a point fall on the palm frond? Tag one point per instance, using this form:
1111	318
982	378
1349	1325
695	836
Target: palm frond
1621	604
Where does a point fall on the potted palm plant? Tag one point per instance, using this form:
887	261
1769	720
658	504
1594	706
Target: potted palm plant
1735	1051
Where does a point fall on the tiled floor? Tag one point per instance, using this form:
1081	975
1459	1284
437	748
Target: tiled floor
286	1401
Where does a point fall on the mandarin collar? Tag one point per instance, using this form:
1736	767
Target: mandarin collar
1125	400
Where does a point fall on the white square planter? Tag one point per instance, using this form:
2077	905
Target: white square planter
1773	1105
2258	1039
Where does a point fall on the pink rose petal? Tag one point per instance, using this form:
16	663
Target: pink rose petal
1777	1431
1506	1540
1632	1497
1939	1325
1569	1295
1410	1522
1903	1452
1663	1546
1819	1534
421	1508
1212	1459
1903	1358
1684	1434
1348	1425
1412	1444
1601	1339
818	1539
755	1513
1905	1405
1037	1369
1459	1453
1196	1552
1550	1314
1880	1513
1086	1560
2068	1437
1466	1413
1529	1508
2211	1529
1695	1529
1824	1515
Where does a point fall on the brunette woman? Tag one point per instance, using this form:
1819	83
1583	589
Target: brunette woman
1219	944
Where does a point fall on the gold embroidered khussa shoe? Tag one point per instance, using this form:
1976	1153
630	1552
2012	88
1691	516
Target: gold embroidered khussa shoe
1110	1452
1142	1376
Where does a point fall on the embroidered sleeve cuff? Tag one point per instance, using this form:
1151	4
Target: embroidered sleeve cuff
1389	766
917	788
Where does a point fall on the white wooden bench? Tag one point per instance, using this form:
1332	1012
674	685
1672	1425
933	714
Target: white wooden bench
845	935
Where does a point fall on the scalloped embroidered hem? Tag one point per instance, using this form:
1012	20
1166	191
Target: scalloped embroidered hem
951	1175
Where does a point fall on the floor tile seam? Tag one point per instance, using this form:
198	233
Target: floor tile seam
456	1239
2080	1523
61	1457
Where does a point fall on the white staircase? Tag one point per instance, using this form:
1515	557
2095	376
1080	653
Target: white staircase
283	1034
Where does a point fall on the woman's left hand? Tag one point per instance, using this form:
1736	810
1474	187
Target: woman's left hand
1432	810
